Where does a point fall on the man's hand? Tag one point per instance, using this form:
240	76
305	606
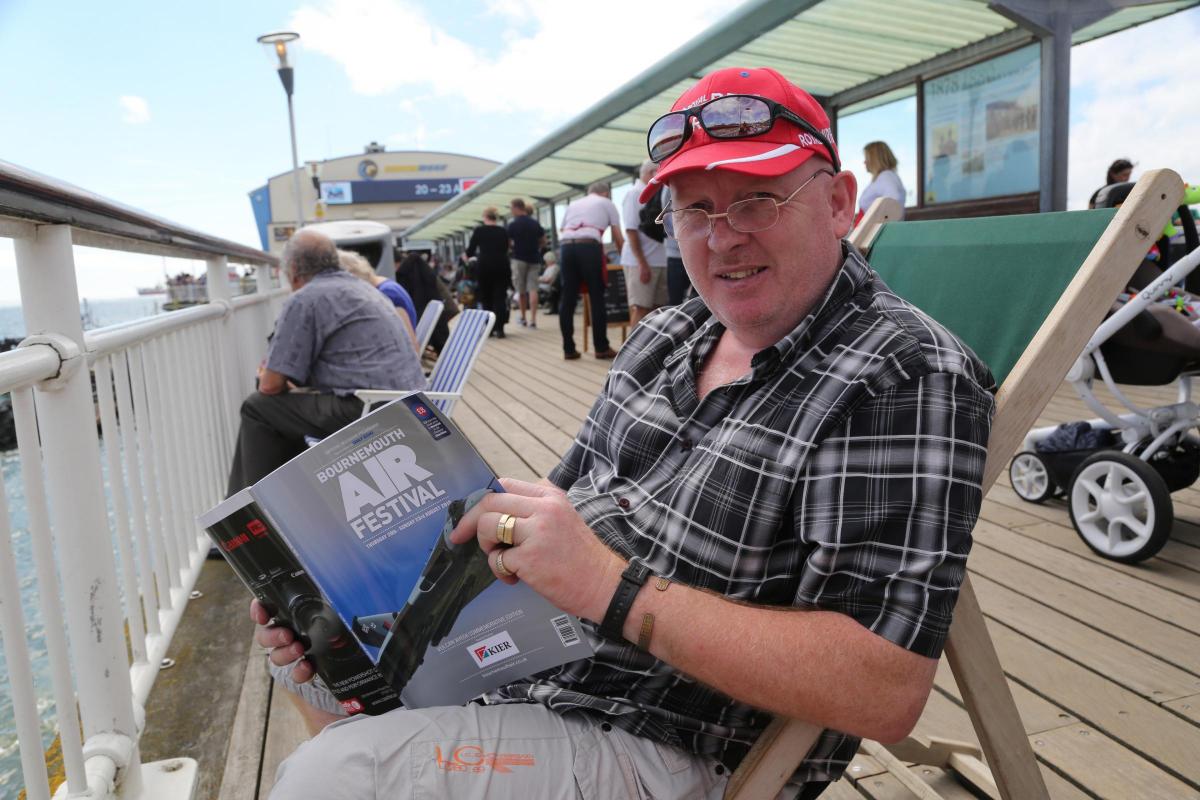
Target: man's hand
271	382
644	272
282	643
553	550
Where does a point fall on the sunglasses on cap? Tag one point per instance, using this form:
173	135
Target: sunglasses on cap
734	116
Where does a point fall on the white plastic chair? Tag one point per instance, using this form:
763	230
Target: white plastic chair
427	322
453	367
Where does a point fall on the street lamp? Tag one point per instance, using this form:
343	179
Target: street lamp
278	41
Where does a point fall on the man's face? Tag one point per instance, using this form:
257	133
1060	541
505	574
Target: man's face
760	285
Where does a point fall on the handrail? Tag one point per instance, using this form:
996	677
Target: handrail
26	195
26	366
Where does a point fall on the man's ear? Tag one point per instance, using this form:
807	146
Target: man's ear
841	201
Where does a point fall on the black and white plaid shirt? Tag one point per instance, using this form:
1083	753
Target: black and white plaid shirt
843	473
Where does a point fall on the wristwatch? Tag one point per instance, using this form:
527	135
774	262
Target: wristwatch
632	580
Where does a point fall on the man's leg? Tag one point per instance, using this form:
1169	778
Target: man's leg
593	273
273	428
569	274
519	268
678	281
512	751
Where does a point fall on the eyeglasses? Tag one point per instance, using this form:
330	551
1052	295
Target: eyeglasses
745	216
734	116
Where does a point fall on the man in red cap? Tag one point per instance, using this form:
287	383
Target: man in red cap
767	511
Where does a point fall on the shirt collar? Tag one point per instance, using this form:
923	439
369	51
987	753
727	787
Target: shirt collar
853	274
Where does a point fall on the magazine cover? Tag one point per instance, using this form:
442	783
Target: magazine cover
368	513
252	546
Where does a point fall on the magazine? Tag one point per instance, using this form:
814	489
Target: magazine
348	544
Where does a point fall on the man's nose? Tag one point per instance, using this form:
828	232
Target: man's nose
723	237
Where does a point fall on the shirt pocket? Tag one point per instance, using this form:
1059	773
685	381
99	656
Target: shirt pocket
733	502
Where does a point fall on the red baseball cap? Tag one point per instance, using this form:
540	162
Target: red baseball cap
780	150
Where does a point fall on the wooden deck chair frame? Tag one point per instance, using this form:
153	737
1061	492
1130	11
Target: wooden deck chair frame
453	367
1019	401
427	322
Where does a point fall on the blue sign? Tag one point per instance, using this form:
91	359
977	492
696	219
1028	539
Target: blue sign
393	191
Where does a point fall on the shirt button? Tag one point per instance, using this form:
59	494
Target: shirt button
606	727
685	444
623	502
720	769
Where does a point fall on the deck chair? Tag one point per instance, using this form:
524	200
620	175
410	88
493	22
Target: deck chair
1026	293
453	367
427	322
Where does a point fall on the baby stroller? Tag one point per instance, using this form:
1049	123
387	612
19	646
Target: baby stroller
1117	471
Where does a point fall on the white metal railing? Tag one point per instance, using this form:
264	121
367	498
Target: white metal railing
167	392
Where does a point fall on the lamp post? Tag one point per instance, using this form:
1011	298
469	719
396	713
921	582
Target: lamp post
278	41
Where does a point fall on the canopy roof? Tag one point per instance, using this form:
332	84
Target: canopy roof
846	52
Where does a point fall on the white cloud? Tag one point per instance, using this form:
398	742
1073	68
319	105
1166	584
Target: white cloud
1139	83
134	110
564	57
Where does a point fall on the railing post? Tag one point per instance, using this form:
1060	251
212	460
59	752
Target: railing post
218	289
50	302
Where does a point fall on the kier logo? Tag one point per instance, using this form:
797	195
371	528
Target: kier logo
493	649
471	758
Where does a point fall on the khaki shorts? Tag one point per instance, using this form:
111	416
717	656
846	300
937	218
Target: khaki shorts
521	751
525	275
646	295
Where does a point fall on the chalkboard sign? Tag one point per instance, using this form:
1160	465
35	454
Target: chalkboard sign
616	299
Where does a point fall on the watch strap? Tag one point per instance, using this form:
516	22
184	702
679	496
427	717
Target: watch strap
632	580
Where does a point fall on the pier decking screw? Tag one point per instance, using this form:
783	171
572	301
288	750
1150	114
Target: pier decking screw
172	766
166	663
1084	733
1039	742
196	594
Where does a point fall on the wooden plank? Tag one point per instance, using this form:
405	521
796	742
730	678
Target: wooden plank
943	784
1122	587
1121	774
947	719
244	757
1172	577
1188	707
1037	712
1132	626
1127	666
842	790
285	732
499	457
972	657
1139	724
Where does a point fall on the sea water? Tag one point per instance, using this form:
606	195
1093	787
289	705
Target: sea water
95	314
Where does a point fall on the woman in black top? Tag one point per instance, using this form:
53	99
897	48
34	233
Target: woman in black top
490	242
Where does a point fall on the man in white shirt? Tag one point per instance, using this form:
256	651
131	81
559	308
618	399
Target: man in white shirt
582	260
643	257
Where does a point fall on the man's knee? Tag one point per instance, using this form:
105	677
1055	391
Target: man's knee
257	406
339	763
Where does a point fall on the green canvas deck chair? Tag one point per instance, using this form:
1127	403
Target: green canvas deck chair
1025	292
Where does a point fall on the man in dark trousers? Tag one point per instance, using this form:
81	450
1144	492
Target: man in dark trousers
334	335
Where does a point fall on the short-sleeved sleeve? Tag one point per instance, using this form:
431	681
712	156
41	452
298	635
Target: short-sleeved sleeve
886	506
294	344
629	209
614	218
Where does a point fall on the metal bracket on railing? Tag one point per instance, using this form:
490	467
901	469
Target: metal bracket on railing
70	357
226	304
116	747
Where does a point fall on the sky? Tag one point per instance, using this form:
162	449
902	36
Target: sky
175	109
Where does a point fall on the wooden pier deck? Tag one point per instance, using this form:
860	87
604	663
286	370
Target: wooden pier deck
1103	659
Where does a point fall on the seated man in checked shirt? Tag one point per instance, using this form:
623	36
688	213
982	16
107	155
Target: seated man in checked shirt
767	511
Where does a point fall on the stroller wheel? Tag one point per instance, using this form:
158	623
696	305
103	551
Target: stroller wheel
1120	506
1030	478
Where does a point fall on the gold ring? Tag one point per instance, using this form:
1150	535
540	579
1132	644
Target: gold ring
505	528
501	570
